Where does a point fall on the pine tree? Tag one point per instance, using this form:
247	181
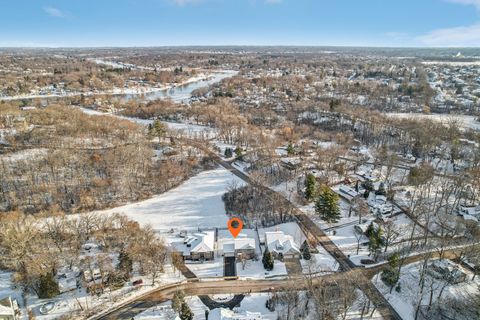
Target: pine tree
290	149
267	260
327	205
368	185
310	186
391	275
178	301
306	250
228	153
125	264
157	129
381	190
47	286
186	312
375	243
238	153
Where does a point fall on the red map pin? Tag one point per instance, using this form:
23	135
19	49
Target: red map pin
235	225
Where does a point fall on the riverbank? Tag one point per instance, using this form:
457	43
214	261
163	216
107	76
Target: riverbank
201	79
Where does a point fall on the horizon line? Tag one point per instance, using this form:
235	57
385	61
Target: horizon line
236	46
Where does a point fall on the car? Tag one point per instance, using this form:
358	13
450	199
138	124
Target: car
46	308
367	261
137	282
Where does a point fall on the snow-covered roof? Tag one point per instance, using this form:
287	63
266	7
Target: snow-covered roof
227	314
241	242
197	243
279	242
67	284
6	307
203	242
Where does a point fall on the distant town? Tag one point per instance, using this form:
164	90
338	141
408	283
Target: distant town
354	172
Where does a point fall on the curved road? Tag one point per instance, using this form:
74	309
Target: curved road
362	276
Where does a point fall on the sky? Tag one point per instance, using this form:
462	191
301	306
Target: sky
112	23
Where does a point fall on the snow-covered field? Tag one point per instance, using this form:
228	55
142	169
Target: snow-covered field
467	122
197	203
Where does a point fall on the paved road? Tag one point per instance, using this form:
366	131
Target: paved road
312	230
362	276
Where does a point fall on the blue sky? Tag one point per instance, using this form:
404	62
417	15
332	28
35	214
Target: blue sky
240	22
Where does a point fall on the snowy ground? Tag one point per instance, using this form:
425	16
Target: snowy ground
321	262
70	302
253	302
197	203
192	131
467	122
346	238
252	269
255	270
406	300
344	218
207	269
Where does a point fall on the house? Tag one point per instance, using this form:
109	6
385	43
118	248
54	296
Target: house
379	204
241	247
291	163
161	312
447	270
7	309
281	246
227	314
67	283
67	279
92	275
347	192
198	247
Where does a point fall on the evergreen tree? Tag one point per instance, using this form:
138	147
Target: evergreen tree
374	234
228	153
267	260
157	129
391	275
368	185
290	149
327	205
125	264
186	313
47	286
366	194
381	190
306	250
310	186
178	301
238	153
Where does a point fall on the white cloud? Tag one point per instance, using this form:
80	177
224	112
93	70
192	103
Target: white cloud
475	3
187	2
462	36
53	12
465	36
184	2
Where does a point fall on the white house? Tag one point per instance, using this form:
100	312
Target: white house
67	279
242	246
281	245
200	246
227	314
